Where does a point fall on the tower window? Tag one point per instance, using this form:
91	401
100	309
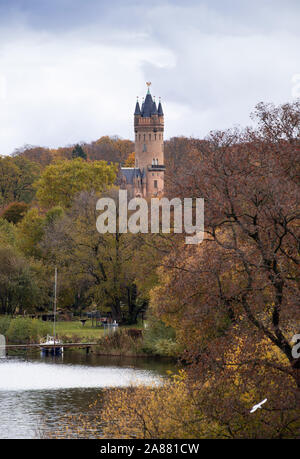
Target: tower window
139	136
149	136
155	136
155	183
144	137
144	147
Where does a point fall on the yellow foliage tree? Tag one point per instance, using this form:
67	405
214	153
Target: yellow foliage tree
61	181
130	161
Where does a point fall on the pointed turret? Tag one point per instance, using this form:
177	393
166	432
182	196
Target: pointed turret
160	110
137	108
154	109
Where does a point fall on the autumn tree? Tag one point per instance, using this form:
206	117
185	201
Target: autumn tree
61	181
14	212
30	232
17	176
35	154
110	149
130	161
7	233
247	269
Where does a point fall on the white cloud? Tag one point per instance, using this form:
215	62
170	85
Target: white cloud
62	89
210	64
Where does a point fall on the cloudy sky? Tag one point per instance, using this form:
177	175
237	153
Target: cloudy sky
70	70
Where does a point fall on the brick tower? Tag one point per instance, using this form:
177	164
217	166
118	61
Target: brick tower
146	179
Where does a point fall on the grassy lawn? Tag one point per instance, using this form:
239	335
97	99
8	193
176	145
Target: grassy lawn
76	328
87	331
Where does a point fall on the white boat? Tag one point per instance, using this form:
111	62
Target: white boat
46	344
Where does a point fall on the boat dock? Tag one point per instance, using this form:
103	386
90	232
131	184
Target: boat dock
86	346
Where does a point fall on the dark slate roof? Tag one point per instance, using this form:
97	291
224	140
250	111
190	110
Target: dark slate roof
147	106
137	108
130	172
160	110
154	109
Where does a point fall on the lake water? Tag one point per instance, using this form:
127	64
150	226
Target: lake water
36	392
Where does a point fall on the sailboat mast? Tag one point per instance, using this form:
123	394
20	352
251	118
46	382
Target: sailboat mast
55	290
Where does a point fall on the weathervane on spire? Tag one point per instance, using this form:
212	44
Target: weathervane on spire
148	83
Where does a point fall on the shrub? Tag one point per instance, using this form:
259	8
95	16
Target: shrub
4	324
166	347
135	333
160	339
24	330
120	342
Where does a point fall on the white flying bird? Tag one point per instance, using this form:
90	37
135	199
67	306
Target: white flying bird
255	407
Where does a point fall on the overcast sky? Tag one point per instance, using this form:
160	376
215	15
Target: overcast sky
70	70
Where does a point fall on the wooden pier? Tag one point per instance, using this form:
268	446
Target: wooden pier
86	346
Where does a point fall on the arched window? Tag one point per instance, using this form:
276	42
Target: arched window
144	147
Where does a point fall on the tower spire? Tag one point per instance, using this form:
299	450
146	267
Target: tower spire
137	107
159	109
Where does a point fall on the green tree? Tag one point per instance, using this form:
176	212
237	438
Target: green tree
95	268
7	233
17	176
20	283
30	232
25	330
78	152
60	182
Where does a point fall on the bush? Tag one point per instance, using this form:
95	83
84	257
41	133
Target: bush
24	330
4	324
166	347
121	342
160	339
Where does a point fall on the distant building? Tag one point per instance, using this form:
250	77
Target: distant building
146	179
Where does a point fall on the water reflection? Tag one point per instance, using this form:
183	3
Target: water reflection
36	393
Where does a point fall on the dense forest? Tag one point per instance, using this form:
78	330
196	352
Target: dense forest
228	308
